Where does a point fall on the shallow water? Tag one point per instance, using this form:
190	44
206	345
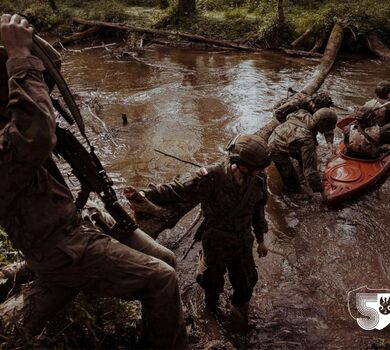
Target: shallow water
190	103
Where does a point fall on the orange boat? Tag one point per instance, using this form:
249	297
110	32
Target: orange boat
345	177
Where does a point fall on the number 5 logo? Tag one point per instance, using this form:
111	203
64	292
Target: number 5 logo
366	304
370	308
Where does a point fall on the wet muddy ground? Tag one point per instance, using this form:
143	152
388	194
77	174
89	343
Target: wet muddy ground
190	103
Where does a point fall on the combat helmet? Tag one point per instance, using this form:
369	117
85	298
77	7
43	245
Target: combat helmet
321	100
325	120
250	151
382	89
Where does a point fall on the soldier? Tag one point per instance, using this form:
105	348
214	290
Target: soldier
301	100
37	211
364	138
297	138
382	115
232	196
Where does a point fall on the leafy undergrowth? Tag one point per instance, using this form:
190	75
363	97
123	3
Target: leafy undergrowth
243	20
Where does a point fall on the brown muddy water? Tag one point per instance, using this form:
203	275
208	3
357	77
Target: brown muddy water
190	103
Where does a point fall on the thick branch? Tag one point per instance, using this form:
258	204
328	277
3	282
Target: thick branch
70	39
327	61
301	53
377	47
196	38
306	33
319	42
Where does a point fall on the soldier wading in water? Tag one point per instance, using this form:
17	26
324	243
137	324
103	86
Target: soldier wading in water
232	196
37	211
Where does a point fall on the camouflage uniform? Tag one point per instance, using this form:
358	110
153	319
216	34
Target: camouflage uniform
67	254
230	211
362	142
296	138
382	115
298	101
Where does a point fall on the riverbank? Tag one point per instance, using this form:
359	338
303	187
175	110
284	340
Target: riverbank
255	23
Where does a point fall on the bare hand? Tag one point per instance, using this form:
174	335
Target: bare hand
16	36
261	249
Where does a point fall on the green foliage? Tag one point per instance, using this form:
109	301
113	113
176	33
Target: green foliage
215	5
94	323
236	13
7	253
249	18
110	11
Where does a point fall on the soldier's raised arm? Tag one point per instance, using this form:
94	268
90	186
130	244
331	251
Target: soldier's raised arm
29	136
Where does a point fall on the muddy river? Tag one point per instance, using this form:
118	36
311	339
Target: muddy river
190	103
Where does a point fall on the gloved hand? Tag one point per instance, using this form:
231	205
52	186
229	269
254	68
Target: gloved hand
261	249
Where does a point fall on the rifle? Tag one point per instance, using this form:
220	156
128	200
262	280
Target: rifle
85	165
88	169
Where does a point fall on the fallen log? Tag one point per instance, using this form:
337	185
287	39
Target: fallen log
319	42
152	218
376	46
327	61
70	39
301	53
304	35
158	32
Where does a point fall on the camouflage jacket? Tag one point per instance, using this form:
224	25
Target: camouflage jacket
382	115
34	206
362	142
298	136
226	205
290	105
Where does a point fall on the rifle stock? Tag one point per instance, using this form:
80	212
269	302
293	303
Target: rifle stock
93	178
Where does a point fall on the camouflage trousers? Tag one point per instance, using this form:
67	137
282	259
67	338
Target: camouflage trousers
287	170
232	252
90	261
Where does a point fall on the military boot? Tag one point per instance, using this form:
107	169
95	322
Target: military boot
238	318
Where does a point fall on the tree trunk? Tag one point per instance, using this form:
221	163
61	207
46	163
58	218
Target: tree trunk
320	74
377	47
152	218
195	38
280	22
319	42
306	33
327	61
186	7
53	5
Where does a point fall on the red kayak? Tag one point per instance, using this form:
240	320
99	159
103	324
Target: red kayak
345	177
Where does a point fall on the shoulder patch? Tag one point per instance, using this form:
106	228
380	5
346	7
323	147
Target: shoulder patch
203	171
